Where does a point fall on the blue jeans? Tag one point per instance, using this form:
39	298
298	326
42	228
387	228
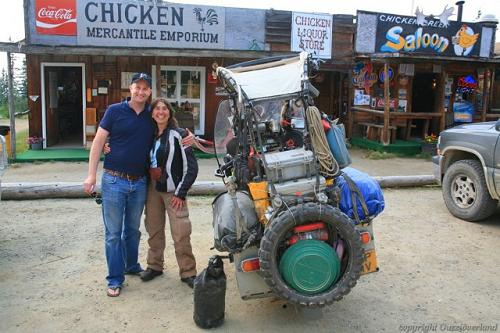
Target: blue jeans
122	205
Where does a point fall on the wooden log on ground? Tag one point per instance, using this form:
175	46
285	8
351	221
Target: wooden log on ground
72	190
405	181
34	191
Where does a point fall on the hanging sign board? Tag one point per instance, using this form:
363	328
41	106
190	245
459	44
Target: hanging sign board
55	17
407	34
312	33
463	112
432	35
150	24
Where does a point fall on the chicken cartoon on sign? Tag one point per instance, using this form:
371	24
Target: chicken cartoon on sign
464	40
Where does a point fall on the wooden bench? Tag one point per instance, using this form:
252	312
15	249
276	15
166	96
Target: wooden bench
374	131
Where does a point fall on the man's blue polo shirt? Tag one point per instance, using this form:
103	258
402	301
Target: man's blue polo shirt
130	138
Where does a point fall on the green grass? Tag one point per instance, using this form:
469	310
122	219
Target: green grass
21	145
424	156
384	155
380	155
4	111
396	149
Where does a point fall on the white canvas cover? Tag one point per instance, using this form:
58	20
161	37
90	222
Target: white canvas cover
267	80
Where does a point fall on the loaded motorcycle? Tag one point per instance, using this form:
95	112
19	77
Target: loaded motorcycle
295	219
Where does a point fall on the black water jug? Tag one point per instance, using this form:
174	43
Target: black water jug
209	294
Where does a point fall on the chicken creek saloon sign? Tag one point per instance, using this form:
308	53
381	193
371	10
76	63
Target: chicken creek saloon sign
406	34
149	24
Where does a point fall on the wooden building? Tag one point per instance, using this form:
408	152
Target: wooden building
414	76
81	55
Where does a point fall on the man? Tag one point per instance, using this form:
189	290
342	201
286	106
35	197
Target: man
124	184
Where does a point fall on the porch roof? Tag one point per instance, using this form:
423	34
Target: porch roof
400	57
22	47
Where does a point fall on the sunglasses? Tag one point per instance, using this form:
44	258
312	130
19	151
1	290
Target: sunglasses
97	197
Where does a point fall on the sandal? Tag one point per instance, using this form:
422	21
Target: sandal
113	291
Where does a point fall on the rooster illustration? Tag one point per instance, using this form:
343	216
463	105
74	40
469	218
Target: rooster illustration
465	38
209	18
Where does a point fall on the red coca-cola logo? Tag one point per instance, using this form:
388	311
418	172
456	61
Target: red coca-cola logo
61	14
56	17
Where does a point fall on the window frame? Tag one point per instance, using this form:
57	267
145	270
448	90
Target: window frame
178	99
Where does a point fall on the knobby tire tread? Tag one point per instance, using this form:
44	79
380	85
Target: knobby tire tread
284	222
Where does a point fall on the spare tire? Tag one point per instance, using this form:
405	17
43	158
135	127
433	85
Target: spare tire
273	242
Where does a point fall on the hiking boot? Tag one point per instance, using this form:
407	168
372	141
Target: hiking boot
189	281
149	274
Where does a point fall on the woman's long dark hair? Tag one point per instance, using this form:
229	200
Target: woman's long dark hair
172	122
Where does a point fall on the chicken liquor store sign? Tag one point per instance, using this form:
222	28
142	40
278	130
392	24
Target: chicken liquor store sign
406	34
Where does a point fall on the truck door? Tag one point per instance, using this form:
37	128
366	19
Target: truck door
496	170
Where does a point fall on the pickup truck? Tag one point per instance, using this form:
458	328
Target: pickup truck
468	168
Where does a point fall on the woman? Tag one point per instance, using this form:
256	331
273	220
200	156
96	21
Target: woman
173	171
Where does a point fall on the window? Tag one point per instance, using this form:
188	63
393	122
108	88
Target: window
184	87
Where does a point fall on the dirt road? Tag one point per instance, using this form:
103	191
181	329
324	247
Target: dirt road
435	269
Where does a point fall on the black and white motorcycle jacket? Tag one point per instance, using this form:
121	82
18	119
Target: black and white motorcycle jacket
178	163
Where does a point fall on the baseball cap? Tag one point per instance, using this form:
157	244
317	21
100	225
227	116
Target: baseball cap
141	76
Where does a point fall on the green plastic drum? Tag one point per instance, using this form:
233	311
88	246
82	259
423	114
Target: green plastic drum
310	266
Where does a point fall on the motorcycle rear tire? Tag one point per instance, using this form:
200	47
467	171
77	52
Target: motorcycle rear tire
275	234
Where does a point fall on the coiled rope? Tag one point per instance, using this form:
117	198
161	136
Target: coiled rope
328	165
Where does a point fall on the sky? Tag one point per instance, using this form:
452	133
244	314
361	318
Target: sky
12	19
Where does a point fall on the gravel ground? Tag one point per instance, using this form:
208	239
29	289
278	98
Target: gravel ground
434	269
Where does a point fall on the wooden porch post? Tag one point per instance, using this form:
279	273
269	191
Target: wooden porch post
442	83
350	114
158	78
486	93
12	112
385	132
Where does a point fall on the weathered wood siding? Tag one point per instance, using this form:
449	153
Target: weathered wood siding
110	68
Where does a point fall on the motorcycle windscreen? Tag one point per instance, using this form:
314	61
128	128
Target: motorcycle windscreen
285	78
223	128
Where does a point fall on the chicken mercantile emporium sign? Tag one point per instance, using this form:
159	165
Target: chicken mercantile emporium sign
406	34
149	24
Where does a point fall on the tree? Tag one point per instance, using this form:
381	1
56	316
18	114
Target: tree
4	88
20	84
20	77
4	93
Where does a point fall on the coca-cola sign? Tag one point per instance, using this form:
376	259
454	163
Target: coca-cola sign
56	17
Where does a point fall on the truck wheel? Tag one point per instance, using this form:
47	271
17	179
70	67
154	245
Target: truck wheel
465	191
272	244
